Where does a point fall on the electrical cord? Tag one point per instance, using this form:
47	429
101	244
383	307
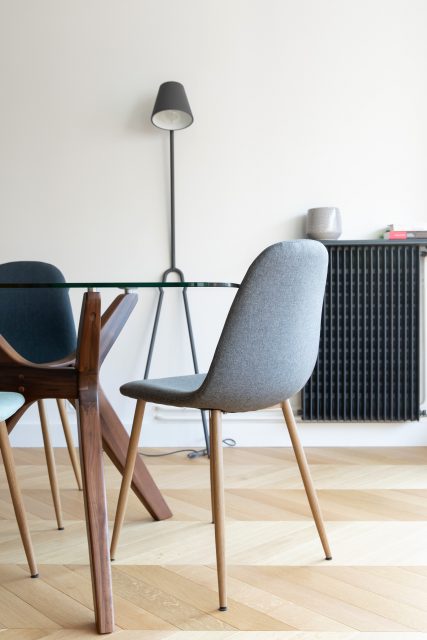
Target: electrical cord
192	453
170	453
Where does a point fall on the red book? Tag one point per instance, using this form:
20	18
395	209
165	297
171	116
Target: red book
396	235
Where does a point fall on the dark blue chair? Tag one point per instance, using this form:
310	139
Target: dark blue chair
39	324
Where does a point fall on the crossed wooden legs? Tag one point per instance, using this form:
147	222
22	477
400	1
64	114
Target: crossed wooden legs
217	487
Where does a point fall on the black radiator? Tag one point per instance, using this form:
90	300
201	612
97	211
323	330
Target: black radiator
368	362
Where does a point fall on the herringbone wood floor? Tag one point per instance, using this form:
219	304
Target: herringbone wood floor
375	505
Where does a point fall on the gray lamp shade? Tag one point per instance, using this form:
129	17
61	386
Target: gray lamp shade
171	109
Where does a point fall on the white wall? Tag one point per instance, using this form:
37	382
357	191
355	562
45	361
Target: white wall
297	103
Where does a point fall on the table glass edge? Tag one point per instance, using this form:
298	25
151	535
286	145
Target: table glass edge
115	285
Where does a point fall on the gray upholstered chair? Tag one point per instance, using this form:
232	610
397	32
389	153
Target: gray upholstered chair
266	353
9	404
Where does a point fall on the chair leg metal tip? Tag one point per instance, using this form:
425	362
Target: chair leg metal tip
36	575
328	558
223	609
60	528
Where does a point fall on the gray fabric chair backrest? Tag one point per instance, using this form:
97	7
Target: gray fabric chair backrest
269	344
38	323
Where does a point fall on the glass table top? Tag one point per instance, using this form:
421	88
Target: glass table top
112	285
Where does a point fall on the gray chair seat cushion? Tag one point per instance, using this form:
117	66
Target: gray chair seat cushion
178	391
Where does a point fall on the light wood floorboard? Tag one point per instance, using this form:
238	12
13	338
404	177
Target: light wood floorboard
280	588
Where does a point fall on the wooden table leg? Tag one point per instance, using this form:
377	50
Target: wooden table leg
96	513
91	456
116	441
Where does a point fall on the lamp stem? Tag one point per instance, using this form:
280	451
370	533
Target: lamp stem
172	172
173	269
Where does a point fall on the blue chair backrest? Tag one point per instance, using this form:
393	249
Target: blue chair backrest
38	323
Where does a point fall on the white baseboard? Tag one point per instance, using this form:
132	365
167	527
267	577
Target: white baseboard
175	427
267	428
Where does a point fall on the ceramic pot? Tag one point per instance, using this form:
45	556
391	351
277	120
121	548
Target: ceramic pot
324	223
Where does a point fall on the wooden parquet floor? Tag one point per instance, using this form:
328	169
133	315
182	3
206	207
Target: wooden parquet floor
280	588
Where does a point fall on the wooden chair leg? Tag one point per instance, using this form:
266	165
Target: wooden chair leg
217	465
211	474
306	477
69	440
51	467
18	503
127	475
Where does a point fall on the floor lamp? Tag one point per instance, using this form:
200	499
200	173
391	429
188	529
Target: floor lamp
172	112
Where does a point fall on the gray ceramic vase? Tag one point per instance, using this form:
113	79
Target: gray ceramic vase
324	223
